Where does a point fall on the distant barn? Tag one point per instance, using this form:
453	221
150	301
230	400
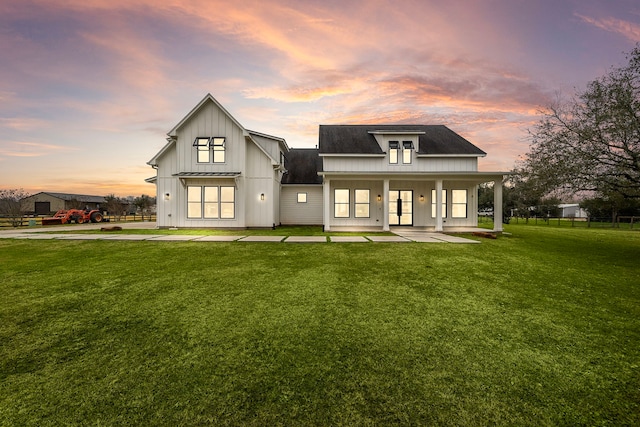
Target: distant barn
45	203
572	210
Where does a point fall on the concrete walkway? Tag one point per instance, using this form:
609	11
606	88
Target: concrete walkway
401	236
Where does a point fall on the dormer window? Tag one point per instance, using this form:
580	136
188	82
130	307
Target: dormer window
407	150
394	147
204	146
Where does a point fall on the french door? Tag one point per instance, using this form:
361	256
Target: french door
400	207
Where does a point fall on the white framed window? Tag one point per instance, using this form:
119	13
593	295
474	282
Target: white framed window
407	152
194	202
433	203
227	202
341	203
211	208
361	207
302	197
210	202
202	149
458	203
394	147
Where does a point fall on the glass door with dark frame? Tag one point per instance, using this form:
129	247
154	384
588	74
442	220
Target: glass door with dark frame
401	207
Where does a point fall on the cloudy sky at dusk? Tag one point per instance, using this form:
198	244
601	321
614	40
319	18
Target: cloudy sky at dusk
89	88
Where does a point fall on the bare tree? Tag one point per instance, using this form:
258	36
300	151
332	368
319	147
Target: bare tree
12	206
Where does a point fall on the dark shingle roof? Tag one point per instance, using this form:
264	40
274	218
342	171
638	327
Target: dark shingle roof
356	139
78	197
302	165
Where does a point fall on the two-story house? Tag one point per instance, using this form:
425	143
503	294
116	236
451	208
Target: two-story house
215	173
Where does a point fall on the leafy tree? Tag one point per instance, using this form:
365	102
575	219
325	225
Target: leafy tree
485	197
144	204
11	205
115	206
522	196
592	142
611	206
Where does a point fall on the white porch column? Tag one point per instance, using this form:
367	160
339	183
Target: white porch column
438	205
385	205
326	203
497	205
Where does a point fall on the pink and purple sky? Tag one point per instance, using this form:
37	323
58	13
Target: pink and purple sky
89	88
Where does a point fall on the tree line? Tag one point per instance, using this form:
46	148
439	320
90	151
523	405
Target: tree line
12	206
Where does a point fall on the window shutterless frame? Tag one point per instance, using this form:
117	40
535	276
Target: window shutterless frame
394	147
341	203
458	203
202	149
407	152
211	202
218	145
361	204
205	146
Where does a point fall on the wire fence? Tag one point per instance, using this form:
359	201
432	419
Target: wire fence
624	222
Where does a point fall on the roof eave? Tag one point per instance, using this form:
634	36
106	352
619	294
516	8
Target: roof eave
352	155
452	155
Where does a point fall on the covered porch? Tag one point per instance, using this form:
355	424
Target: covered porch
427	201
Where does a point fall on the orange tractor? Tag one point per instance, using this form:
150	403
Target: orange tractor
78	216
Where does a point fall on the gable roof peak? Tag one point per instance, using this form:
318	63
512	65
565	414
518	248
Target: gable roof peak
208	98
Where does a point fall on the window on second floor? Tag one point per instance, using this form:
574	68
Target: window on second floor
394	147
202	148
205	146
218	150
407	150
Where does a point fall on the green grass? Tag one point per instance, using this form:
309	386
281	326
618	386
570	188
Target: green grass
538	328
285	230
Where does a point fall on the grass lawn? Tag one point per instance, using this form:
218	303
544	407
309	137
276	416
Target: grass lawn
538	328
285	230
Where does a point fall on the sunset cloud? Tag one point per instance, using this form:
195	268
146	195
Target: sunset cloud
29	149
628	29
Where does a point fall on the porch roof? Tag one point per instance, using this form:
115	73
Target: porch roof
205	174
416	176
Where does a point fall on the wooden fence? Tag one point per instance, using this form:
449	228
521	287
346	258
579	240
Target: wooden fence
36	221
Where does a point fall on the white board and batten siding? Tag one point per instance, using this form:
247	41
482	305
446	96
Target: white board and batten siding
259	176
211	121
294	213
418	164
